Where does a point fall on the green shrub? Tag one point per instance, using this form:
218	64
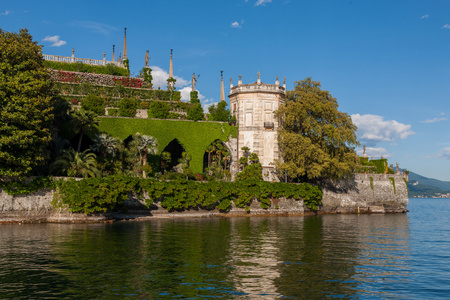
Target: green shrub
94	195
251	172
95	104
158	110
127	107
113	112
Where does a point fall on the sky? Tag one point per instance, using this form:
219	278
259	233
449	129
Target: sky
386	62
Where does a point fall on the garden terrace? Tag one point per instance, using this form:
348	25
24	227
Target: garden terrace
78	91
108	68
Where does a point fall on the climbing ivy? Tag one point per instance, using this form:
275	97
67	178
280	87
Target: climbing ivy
392	179
23	187
95	195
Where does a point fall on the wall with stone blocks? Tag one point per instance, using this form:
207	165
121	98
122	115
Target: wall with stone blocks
352	196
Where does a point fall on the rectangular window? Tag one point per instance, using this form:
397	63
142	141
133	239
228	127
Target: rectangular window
248	119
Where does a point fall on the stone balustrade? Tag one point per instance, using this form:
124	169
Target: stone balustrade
88	61
254	87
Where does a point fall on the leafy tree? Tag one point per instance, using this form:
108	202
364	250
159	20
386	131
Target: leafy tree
194	97
76	164
95	104
195	110
83	122
26	114
252	171
316	139
219	112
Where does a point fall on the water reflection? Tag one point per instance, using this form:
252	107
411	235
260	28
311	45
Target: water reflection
300	257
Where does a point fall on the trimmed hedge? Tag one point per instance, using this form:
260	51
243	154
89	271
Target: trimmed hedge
195	137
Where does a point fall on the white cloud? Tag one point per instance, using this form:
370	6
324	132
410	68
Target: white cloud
7	12
95	27
446	26
373	129
236	24
55	40
262	2
424	16
374	152
160	77
444	153
434	120
186	96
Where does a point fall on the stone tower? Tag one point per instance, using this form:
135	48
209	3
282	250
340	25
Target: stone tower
254	105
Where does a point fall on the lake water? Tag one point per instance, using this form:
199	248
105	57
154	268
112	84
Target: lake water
399	256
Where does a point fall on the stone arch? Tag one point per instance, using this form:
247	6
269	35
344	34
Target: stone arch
175	148
217	152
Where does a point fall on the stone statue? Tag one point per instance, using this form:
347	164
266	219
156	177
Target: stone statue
397	169
364	151
284	81
240	77
231	80
194	80
277	77
259	76
147	58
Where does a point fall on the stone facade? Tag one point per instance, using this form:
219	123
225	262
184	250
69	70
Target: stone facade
254	106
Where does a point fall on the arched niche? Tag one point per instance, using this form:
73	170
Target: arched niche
176	149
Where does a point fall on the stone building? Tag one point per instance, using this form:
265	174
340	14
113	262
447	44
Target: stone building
254	105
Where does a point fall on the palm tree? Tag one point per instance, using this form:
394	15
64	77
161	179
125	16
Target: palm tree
184	161
144	145
83	121
226	158
211	148
166	158
76	164
106	144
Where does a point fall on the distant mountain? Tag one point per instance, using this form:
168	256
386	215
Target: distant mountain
421	186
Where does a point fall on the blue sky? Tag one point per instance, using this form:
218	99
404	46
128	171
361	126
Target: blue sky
387	62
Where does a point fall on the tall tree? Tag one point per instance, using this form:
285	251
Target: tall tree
26	105
83	122
219	112
316	140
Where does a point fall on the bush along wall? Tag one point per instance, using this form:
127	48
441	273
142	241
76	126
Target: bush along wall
95	195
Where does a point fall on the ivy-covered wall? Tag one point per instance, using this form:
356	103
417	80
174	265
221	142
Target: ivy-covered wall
195	137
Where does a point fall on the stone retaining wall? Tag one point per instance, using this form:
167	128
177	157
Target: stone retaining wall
361	195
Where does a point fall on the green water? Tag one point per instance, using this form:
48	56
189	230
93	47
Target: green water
343	256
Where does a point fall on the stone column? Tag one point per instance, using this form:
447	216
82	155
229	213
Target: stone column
222	90
125	45
114	55
171	69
